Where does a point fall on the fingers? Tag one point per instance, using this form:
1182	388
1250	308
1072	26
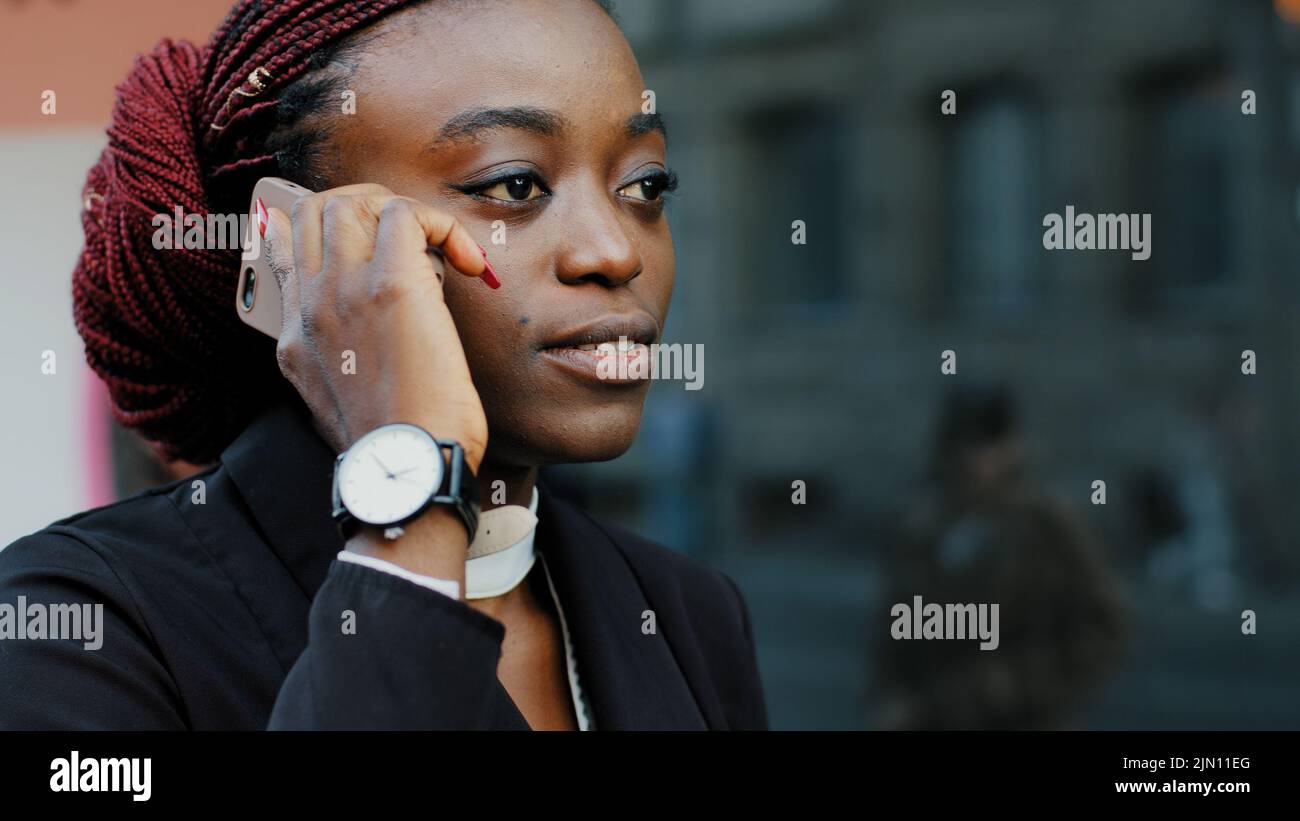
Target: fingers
354	231
408	227
354	243
307	253
356	275
309	225
348	235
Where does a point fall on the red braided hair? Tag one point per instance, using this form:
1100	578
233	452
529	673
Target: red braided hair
193	128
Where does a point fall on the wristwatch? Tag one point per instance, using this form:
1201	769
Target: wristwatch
396	472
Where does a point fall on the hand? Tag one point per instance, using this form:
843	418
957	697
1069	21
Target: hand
357	275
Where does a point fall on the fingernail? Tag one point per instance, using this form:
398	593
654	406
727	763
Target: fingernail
262	218
489	275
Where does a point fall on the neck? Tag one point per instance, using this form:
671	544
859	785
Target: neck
517	482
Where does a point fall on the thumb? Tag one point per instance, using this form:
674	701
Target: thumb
278	245
277	249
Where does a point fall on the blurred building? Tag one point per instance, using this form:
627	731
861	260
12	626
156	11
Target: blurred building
924	234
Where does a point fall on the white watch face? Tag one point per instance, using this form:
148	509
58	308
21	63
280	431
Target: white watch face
389	474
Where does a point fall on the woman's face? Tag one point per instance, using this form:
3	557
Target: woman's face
523	118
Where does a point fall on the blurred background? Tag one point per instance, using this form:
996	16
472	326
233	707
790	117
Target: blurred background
924	234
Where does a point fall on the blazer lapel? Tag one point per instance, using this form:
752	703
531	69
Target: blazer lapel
284	471
632	679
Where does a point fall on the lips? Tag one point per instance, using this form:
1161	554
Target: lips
604	350
640	329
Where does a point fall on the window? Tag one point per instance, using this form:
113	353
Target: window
995	214
1185	167
794	173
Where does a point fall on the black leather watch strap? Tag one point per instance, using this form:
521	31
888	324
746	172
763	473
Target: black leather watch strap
461	487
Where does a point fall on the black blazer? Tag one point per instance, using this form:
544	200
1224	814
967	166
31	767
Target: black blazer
228	615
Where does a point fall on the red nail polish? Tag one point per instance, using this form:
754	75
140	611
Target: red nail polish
262	217
489	275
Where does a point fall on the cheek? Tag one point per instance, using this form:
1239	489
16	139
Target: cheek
485	317
490	329
661	259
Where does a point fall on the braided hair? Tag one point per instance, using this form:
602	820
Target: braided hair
194	128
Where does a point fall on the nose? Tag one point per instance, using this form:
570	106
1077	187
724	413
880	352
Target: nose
596	247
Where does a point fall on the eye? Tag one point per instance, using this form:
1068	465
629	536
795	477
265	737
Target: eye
651	188
516	186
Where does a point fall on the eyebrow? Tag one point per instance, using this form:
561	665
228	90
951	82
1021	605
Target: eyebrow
475	122
641	124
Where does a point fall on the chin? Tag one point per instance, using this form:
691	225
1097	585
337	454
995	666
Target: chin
570	436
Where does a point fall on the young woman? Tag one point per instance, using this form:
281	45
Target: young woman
327	570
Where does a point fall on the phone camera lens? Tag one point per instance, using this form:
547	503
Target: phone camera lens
250	285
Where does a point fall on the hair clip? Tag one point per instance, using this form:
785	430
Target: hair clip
255	78
88	203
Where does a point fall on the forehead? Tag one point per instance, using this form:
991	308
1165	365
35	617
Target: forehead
438	59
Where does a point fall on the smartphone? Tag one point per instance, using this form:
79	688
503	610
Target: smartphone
257	298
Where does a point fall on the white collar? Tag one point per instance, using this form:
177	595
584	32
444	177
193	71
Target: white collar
502	551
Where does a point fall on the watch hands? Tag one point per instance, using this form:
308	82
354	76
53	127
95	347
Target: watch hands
387	472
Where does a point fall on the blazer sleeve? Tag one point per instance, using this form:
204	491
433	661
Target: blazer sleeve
386	653
382	653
